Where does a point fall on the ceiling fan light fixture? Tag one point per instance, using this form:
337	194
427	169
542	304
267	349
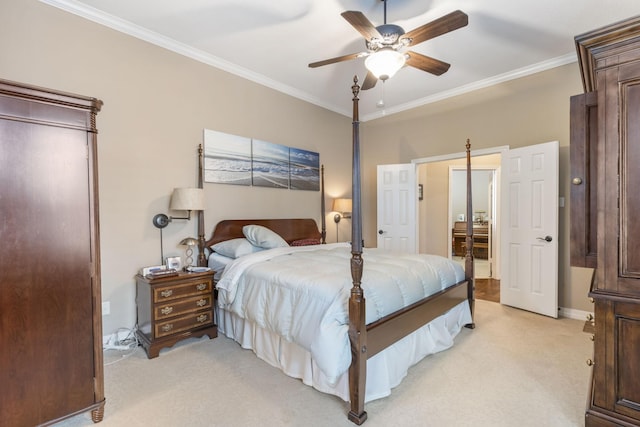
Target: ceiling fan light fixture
385	63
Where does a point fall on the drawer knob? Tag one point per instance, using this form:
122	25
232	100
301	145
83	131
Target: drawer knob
593	337
201	286
590	362
201	302
202	318
167	327
590	317
576	181
166	310
167	293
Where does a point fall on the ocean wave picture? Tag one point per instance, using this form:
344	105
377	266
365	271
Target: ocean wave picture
232	159
227	158
269	164
304	169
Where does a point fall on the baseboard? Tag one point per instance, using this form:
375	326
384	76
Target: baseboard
572	313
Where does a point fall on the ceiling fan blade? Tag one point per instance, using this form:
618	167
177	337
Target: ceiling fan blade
338	59
426	63
369	81
361	24
436	28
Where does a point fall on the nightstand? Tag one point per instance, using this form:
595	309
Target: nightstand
171	309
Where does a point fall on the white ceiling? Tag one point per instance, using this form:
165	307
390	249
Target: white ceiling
272	42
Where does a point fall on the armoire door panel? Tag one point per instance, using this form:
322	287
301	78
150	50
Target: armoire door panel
50	330
627	372
583	154
49	295
630	177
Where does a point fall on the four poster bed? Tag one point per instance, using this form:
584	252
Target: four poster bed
300	305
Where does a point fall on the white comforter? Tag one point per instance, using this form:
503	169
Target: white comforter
301	293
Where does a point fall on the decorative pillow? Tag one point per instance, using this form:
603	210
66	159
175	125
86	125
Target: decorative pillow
235	248
305	242
263	237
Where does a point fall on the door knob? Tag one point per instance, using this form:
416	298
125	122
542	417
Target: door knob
546	238
380	232
576	181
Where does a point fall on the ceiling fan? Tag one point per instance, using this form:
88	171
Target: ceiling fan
386	45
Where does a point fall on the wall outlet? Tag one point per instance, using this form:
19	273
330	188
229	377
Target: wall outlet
106	308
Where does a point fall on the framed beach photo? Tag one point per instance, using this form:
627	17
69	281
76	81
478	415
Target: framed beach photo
227	158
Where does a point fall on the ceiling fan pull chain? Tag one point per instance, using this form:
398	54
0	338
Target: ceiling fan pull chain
385	11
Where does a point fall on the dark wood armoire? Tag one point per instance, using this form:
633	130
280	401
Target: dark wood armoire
50	304
605	213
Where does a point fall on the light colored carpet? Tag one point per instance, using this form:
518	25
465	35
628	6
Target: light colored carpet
515	369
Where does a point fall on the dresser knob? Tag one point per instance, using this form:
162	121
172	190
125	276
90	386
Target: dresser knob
592	300
167	293
590	362
201	286
593	337
590	317
576	181
166	310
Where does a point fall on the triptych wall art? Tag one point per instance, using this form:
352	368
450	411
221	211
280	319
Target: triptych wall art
232	159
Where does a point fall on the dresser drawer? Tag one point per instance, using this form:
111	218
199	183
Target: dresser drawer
183	306
183	323
181	290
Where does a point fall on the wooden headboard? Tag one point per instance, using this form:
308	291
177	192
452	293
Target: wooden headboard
289	229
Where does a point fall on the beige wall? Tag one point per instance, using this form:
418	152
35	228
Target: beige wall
157	103
517	113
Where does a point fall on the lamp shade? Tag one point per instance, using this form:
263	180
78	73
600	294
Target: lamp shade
187	199
189	241
385	63
342	205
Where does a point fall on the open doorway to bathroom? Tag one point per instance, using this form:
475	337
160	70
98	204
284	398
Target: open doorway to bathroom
443	210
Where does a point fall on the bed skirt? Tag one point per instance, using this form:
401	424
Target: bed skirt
384	371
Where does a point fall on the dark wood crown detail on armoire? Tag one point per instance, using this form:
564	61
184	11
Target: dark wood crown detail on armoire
605	213
50	304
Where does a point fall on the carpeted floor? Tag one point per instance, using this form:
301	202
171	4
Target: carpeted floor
515	369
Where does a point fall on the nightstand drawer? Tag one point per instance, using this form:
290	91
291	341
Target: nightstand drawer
184	323
183	306
171	292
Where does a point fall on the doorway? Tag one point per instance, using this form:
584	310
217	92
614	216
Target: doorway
439	211
486	227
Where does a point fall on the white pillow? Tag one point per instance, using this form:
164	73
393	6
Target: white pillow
235	248
217	263
263	237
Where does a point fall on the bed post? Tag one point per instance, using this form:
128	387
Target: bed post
357	321
202	259
468	260
323	214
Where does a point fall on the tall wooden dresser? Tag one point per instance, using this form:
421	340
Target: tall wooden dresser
50	318
605	203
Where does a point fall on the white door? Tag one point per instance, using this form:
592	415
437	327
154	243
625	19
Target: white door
530	221
397	194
